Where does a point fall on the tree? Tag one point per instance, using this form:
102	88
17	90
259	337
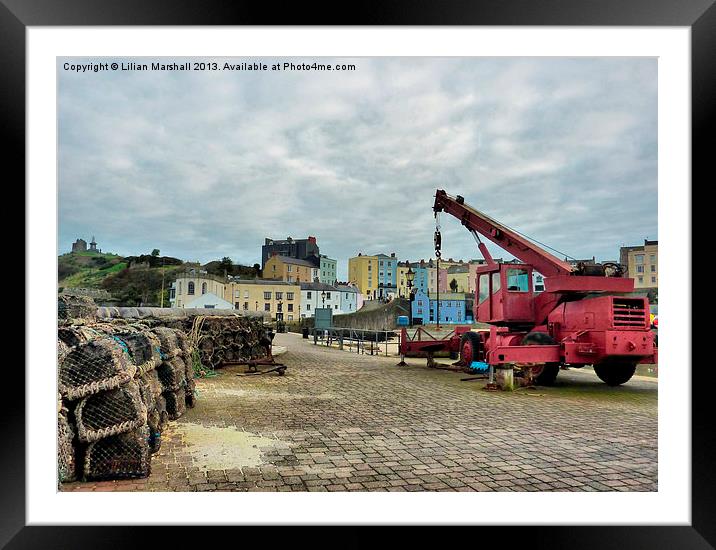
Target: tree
453	285
257	269
226	264
155	252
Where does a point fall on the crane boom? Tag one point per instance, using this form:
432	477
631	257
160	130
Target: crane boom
507	239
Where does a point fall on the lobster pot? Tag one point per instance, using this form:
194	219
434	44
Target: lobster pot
172	374
120	456
93	367
110	413
66	454
146	392
143	348
71	308
167	340
190	393
176	403
155	426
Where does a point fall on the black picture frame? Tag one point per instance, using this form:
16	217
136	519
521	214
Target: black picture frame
698	15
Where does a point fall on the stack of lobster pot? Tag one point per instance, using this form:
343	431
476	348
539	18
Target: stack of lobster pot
175	372
104	409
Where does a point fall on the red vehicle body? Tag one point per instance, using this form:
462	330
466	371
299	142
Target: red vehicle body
585	316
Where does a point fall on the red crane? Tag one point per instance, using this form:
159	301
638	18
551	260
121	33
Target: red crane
585	316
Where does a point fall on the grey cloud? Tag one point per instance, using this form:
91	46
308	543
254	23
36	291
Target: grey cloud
205	165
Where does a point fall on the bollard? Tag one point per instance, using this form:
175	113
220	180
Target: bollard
504	377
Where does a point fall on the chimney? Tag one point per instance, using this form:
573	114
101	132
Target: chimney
392	254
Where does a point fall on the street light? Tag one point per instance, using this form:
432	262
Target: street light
323	297
409	278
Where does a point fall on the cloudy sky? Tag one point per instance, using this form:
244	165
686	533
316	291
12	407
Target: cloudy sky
207	164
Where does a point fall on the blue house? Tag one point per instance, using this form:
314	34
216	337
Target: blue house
452	308
387	275
420	282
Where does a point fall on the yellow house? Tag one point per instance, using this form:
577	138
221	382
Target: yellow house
279	300
363	272
642	263
460	274
402	280
291	270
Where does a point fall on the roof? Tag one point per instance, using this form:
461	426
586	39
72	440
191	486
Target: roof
294	261
458	269
346	288
261	282
317	286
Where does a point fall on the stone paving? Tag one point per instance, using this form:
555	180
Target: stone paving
340	421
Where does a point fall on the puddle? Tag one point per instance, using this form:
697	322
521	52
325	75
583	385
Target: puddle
215	448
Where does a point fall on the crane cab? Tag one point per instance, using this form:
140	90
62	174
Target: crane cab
504	294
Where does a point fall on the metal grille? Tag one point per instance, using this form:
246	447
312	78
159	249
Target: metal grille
628	312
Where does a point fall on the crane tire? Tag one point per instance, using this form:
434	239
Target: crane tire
470	345
546	374
615	371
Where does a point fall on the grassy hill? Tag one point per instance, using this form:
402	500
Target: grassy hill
132	280
87	269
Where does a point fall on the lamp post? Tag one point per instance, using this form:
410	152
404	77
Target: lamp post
409	278
323	298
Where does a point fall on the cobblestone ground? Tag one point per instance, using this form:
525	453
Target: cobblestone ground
340	421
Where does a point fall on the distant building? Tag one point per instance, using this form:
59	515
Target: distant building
363	272
208	301
291	270
452	308
80	245
642	264
194	284
279	300
420	277
327	270
93	246
315	295
387	276
460	274
299	249
348	298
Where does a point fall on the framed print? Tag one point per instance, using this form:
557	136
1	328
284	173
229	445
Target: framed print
409	261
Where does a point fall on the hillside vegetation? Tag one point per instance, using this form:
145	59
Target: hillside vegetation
134	280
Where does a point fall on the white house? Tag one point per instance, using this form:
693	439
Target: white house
315	295
209	301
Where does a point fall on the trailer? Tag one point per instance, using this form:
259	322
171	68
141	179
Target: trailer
585	315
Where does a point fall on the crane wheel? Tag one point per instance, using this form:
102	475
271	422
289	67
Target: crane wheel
470	345
543	375
615	371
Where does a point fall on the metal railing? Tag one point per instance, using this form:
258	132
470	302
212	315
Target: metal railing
356	340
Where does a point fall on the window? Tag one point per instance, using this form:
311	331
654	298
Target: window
267	307
290	307
641	279
328	295
246	306
380	263
517	280
335	306
308	294
236	305
288	268
652	258
190	287
484	291
653	279
640	269
246	293
289	295
172	292
653	268
279	295
203	288
308	307
179	287
209	306
496	282
639	259
290	317
267	295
